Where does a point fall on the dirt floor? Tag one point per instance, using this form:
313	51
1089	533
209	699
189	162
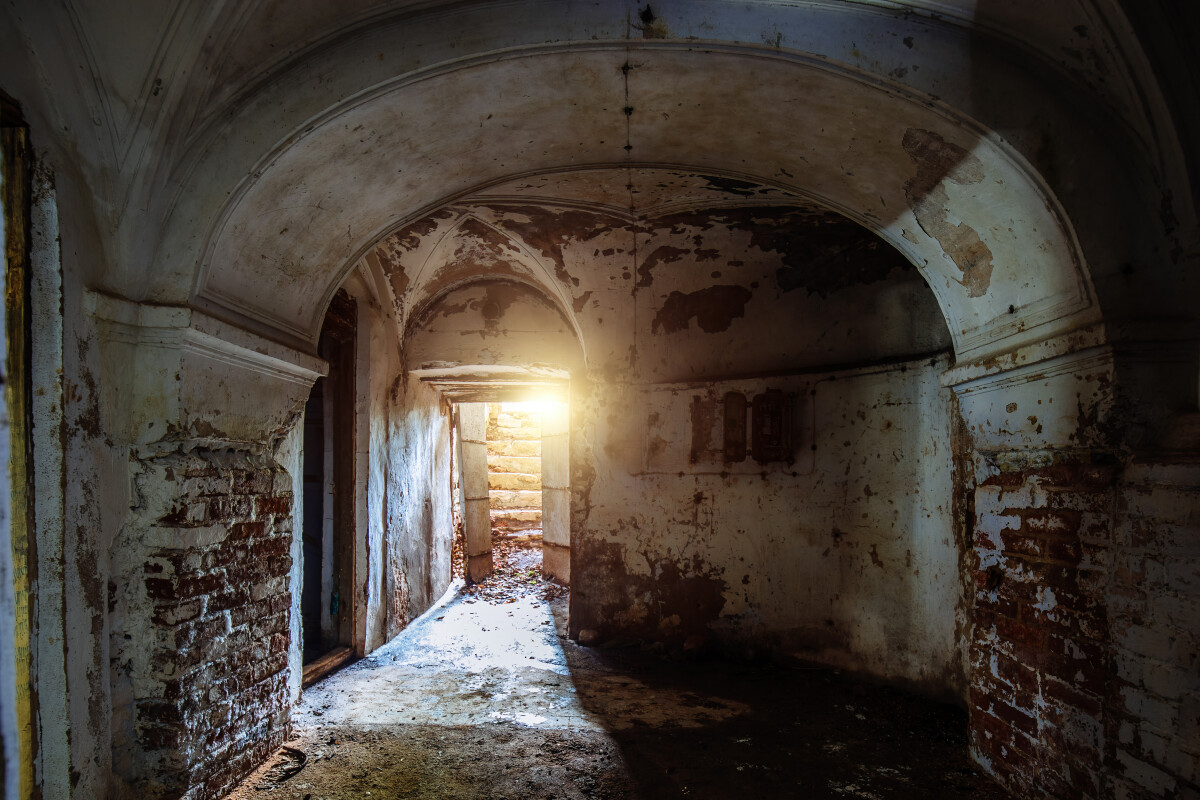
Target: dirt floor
485	698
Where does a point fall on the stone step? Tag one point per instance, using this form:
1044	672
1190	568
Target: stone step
530	515
514	482
504	525
510	421
515	447
523	465
502	500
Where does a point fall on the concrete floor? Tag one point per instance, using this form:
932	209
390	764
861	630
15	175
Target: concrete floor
488	699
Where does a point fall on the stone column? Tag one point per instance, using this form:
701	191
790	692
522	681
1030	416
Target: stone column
477	524
556	493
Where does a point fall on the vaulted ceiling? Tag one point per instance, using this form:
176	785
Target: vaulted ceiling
243	157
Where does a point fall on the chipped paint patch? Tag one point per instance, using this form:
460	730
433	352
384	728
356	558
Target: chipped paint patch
938	161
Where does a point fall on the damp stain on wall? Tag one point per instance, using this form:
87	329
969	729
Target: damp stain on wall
714	309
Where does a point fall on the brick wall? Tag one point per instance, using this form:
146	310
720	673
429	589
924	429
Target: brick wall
1038	651
211	701
1154	620
1085	659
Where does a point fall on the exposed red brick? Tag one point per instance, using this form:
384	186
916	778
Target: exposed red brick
225	709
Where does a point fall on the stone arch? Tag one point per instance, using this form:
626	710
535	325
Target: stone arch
978	221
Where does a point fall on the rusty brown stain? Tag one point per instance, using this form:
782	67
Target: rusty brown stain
548	230
579	302
714	309
409	238
875	557
937	161
660	255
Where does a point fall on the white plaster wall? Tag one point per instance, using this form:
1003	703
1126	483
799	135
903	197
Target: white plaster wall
420	529
846	556
376	366
67	588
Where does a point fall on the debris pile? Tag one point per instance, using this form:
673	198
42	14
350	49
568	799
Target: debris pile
516	573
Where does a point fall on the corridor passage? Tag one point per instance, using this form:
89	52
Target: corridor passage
485	697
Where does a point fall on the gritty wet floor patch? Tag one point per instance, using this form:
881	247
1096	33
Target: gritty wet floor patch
488	699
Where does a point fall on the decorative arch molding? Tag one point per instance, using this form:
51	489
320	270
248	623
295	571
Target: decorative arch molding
952	196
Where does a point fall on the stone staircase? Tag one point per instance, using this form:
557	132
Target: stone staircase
514	456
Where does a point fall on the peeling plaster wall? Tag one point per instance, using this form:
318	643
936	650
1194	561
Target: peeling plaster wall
1083	642
845	556
492	323
9	752
678	296
821	558
377	365
1153	601
418	524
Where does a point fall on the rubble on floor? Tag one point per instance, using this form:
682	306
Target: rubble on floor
516	571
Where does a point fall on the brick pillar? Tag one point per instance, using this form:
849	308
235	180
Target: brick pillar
1084	587
1153	721
1044	487
199	588
203	650
1039	648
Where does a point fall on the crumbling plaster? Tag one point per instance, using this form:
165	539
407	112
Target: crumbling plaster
744	542
845	555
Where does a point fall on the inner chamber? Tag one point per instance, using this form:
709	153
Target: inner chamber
759	447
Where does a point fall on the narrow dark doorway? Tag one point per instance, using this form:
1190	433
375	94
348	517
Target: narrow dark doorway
327	598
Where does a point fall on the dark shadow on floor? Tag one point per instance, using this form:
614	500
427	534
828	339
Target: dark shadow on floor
772	731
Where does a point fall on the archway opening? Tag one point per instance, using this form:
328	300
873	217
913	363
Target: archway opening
512	495
759	460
